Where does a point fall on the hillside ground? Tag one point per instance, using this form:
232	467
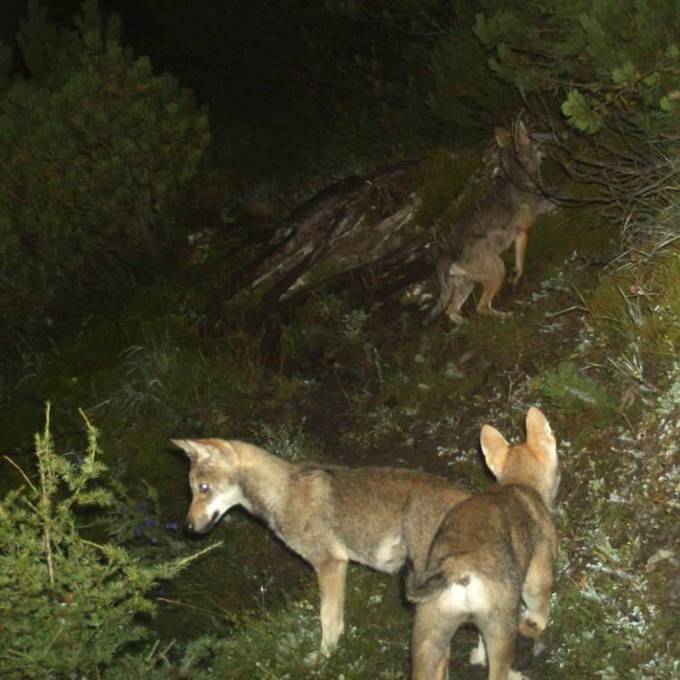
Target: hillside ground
593	345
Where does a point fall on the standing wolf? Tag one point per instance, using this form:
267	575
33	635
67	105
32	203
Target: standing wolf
492	550
502	217
328	514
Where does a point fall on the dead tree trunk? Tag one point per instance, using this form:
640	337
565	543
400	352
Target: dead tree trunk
361	231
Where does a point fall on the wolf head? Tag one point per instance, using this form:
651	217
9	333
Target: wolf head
214	480
533	463
520	159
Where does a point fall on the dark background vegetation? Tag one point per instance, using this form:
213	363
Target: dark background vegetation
148	167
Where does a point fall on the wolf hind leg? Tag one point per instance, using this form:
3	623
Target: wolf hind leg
500	648
431	643
462	287
445	283
445	293
492	280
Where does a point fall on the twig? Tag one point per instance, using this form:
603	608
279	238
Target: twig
566	310
45	501
179	603
21	472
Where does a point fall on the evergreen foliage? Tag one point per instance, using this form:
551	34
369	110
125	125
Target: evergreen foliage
610	61
570	390
95	152
70	606
611	69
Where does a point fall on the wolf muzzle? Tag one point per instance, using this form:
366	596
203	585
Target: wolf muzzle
201	528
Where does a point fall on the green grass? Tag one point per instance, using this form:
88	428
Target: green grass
285	644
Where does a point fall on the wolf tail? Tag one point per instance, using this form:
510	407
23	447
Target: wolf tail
421	587
452	570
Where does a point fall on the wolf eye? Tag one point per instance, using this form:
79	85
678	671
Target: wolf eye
203	487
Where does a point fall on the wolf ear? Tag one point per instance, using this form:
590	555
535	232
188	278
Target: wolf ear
521	135
503	137
495	450
539	432
195	449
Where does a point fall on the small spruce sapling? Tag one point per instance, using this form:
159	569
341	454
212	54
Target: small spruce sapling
69	606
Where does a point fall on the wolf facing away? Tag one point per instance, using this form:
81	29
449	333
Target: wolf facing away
492	551
380	517
503	216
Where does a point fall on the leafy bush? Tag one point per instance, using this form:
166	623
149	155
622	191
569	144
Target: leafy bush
70	606
95	151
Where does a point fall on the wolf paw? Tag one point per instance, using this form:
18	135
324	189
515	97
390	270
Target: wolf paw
516	675
478	654
456	319
316	658
530	628
490	311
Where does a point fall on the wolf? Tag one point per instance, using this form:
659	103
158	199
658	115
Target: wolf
492	551
503	216
328	514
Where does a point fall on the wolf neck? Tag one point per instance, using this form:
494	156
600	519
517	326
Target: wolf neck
528	486
520	175
264	483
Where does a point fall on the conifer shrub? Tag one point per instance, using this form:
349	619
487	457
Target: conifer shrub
95	153
71	604
570	390
612	64
609	69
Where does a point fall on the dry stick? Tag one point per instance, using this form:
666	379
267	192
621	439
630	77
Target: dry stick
21	472
179	603
566	310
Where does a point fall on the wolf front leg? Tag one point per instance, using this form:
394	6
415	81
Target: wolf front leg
536	594
526	219
332	574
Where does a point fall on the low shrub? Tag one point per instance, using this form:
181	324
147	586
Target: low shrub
95	153
72	604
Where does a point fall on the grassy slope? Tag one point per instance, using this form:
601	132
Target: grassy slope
347	386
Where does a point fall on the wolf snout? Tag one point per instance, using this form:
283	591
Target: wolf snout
201	527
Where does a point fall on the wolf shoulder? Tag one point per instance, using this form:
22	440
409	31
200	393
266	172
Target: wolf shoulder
514	516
